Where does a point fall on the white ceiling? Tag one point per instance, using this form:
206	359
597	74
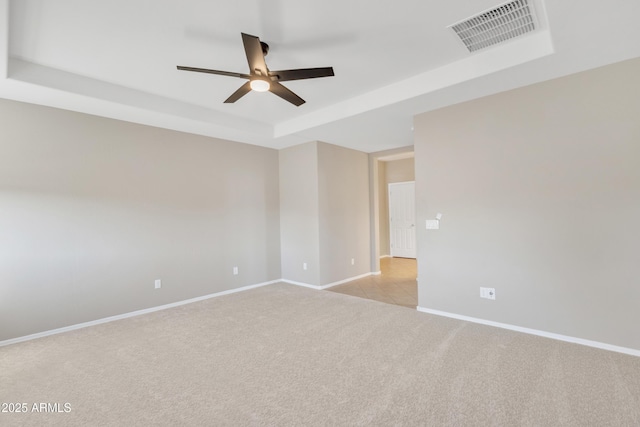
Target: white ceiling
392	60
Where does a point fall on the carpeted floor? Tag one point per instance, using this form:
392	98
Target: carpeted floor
283	355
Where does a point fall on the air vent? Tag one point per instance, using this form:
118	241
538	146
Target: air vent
497	25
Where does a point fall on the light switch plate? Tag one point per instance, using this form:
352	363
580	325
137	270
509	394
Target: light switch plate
433	224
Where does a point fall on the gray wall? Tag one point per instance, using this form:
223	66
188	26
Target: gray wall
344	212
299	210
402	170
539	189
92	210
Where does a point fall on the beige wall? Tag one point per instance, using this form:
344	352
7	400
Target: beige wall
344	213
324	204
92	210
400	170
299	210
383	209
539	189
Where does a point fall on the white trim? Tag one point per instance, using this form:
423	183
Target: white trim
340	282
581	341
130	314
385	256
376	273
306	285
322	287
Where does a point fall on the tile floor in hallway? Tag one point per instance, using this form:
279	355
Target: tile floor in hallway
396	285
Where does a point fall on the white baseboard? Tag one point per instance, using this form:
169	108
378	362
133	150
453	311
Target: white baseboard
376	273
588	343
385	256
130	314
347	280
321	287
306	285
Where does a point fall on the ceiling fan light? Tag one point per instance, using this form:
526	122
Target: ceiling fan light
260	85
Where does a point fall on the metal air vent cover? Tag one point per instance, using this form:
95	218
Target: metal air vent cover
496	25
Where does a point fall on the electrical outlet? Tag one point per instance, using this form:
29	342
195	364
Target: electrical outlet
488	293
158	283
235	271
353	261
304	265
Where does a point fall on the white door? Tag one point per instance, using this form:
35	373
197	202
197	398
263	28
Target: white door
402	219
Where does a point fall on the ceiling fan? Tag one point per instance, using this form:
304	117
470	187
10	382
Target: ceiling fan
260	78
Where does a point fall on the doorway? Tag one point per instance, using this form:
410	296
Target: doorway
394	277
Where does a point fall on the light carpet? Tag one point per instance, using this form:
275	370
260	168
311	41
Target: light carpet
283	355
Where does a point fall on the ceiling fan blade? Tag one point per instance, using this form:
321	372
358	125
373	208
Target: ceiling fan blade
222	73
286	94
255	57
302	73
242	91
